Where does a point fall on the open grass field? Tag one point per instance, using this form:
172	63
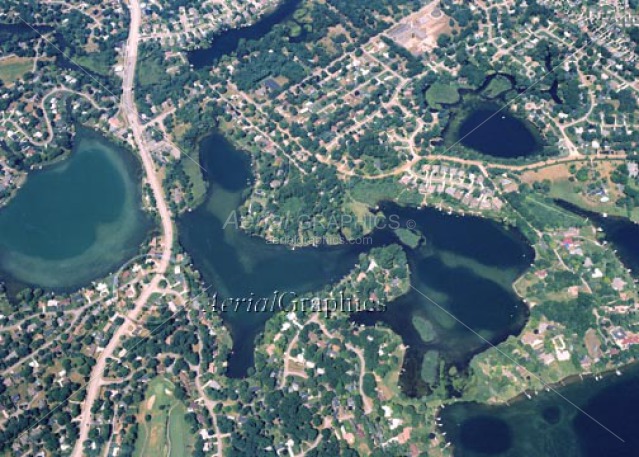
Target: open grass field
497	87
561	187
163	429
565	190
545	211
96	62
194	172
13	68
439	94
178	432
552	173
362	215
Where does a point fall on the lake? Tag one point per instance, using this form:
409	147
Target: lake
226	42
491	130
74	221
548	425
237	264
480	254
467	267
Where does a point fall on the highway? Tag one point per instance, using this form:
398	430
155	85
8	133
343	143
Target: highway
129	111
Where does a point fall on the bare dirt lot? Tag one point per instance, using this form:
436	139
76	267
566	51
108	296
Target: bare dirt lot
552	173
419	32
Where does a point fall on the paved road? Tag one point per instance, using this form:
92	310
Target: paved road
47	121
130	112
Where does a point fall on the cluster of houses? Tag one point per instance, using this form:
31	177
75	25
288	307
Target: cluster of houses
571	241
609	17
536	340
470	189
186	24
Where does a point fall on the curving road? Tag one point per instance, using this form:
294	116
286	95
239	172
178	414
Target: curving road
130	112
47	120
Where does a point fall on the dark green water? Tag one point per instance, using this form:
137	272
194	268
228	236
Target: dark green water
466	267
236	264
74	221
226	43
492	131
20	31
466	264
548	425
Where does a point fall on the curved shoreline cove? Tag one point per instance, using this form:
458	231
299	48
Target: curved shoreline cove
226	42
463	275
480	254
549	425
75	220
238	265
621	232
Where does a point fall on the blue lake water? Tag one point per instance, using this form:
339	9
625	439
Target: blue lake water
549	425
493	131
74	221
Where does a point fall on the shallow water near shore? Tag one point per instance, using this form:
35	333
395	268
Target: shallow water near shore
548	425
466	264
73	221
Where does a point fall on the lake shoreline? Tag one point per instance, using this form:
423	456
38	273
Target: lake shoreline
122	205
230	243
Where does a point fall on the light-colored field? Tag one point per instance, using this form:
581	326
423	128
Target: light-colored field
178	432
553	173
297	369
573	191
13	68
419	32
166	433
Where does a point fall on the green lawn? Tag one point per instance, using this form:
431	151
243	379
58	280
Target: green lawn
149	71
194	172
497	86
442	94
565	190
166	434
96	62
13	68
178	432
542	212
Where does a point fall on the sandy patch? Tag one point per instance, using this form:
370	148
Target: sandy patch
553	173
150	402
